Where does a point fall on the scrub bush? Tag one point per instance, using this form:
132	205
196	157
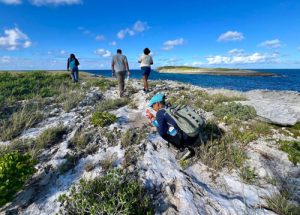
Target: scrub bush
234	111
15	170
114	193
111	104
103	118
50	136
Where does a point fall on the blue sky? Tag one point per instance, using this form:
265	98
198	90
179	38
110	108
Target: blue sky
40	34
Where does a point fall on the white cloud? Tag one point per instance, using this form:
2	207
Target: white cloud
113	43
100	37
170	44
276	43
14	39
138	27
236	52
231	36
197	63
243	59
5	59
103	53
11	1
55	2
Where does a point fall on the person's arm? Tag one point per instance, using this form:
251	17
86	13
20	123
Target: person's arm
126	66
68	64
151	60
163	127
140	60
77	62
113	67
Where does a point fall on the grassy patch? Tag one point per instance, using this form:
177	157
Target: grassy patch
70	162
293	150
234	111
247	174
223	152
242	135
80	140
72	100
108	161
295	130
18	122
103	118
104	84
15	170
114	193
50	136
280	204
133	137
111	104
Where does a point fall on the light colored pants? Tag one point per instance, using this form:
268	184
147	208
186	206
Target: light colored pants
121	81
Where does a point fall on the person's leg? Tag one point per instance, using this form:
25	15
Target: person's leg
73	75
146	82
77	75
121	78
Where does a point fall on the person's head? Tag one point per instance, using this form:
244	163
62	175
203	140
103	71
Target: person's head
147	51
157	102
72	56
119	51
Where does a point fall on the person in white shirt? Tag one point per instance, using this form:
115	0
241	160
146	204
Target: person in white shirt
146	61
119	64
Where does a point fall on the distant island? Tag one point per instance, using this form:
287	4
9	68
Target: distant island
211	71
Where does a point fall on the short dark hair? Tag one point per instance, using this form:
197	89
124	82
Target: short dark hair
72	56
119	51
147	51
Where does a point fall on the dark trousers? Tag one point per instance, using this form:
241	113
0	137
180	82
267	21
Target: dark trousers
121	81
74	74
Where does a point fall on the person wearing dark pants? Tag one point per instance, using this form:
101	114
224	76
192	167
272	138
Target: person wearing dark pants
168	128
119	65
146	61
72	65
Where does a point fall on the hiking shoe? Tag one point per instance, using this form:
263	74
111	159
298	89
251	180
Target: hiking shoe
182	155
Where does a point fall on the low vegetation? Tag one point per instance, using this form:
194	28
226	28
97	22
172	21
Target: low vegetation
108	161
114	193
247	174
292	148
18	122
50	136
280	204
103	118
234	111
80	140
15	170
111	104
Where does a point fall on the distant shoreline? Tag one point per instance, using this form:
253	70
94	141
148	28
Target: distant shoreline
208	71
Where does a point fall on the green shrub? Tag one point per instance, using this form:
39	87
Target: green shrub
111	104
280	204
103	118
18	122
108	161
235	111
293	150
15	170
114	193
247	174
50	136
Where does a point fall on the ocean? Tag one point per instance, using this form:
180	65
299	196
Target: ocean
287	79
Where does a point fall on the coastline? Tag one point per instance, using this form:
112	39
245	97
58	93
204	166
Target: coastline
217	72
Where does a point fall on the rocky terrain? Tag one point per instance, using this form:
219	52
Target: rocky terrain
239	169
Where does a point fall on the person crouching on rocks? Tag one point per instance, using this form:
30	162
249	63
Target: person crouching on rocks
72	65
167	127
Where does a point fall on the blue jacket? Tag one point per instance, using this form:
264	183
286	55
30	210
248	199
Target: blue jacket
164	121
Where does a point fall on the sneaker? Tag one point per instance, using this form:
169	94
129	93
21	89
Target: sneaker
182	155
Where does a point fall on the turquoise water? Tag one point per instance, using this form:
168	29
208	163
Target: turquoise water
288	79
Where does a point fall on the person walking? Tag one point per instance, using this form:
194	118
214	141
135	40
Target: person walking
72	65
119	65
146	61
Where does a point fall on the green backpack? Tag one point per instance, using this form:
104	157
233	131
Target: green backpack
186	119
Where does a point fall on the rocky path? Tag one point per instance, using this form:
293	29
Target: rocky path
196	189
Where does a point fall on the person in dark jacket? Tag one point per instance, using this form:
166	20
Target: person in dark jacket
72	65
167	127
